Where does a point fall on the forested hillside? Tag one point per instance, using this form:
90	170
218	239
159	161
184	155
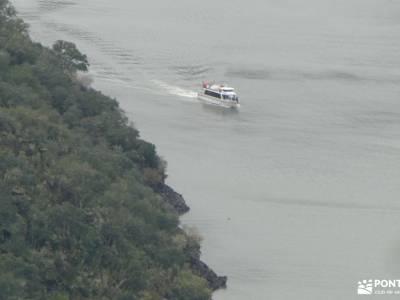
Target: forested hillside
78	216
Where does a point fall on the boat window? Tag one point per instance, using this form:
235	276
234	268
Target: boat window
230	97
212	94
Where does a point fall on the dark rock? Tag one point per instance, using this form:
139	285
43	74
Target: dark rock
172	198
215	282
176	201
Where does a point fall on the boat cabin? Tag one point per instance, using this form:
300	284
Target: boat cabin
221	92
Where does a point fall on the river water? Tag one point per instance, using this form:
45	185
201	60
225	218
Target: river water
297	193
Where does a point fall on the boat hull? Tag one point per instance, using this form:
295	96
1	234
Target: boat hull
215	101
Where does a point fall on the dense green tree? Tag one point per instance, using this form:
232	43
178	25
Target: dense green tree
70	57
78	216
187	286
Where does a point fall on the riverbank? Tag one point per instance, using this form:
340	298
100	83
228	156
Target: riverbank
79	217
178	204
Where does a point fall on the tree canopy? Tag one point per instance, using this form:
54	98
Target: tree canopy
78	219
70	57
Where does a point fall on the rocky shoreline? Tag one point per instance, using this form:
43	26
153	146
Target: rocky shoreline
215	282
178	203
174	199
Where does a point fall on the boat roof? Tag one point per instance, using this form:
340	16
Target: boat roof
227	88
221	87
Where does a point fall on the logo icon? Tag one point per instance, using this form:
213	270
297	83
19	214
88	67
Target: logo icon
365	287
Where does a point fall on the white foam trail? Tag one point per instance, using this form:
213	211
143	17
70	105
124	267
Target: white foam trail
175	90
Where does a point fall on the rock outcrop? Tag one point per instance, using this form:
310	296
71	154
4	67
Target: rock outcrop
174	199
215	282
177	202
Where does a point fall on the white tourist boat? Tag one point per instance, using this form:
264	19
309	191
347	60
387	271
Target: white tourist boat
219	94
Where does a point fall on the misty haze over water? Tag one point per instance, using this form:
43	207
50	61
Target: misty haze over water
297	193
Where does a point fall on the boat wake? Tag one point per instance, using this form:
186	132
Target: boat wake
175	90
